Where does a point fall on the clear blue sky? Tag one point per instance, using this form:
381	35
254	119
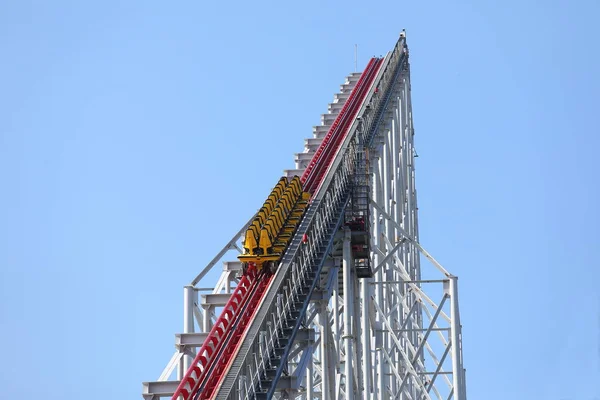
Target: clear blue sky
136	138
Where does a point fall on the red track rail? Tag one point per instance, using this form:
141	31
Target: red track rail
216	354
227	357
214	341
323	157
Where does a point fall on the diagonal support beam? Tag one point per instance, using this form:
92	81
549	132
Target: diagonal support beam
424	339
411	239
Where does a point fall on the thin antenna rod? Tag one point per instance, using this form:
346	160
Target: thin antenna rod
355	57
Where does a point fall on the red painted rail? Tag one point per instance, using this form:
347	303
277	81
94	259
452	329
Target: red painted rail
224	362
214	341
323	157
334	127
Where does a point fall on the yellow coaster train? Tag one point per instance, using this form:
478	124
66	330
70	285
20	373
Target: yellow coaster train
274	225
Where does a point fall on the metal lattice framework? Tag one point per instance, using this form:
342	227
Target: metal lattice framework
333	325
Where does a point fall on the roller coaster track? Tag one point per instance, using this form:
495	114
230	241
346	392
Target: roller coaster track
212	360
328	178
246	352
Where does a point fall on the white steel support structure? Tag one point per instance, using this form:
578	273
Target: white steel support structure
394	335
348	337
415	322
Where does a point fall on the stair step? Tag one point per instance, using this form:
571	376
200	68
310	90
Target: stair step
284	340
265	383
292	321
301	297
285	331
275	360
278	351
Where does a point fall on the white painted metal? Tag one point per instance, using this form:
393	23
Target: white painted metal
326	365
188	323
365	338
348	314
319	131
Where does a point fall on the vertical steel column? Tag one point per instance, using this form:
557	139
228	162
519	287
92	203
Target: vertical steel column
206	318
403	220
228	283
310	383
411	202
377	235
398	195
415	234
242	387
356	361
326	388
188	319
409	185
335	306
335	327
365	337
389	234
393	232
334	377
401	215
398	172
348	312
457	368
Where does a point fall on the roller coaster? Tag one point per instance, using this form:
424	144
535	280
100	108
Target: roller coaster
324	211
